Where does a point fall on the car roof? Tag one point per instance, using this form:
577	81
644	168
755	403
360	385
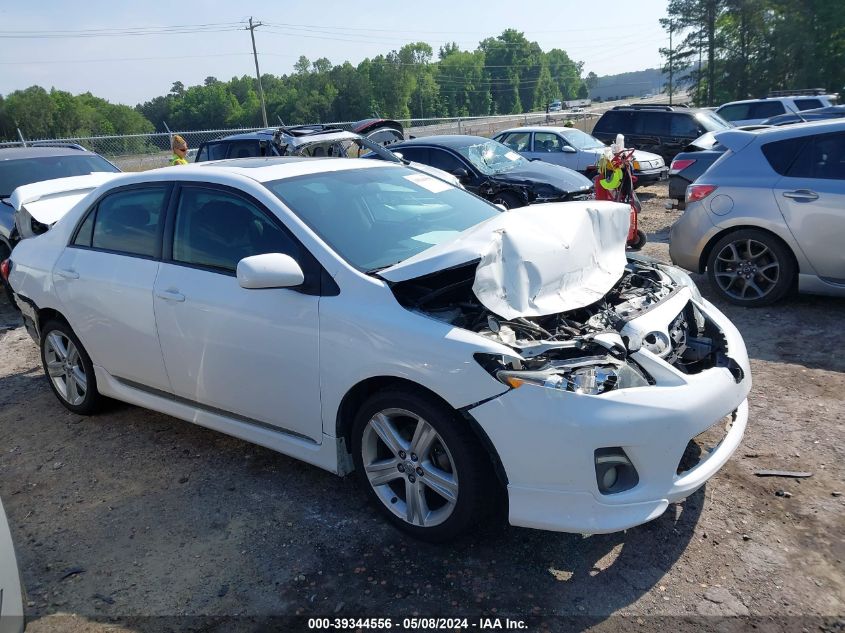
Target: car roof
13	153
446	140
257	169
559	129
767	134
786	98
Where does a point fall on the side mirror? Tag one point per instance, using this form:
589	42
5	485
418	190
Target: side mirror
270	270
399	155
568	149
460	173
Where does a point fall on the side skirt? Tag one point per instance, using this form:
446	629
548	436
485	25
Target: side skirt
325	455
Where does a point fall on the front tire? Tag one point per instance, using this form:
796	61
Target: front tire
508	200
751	268
420	465
69	368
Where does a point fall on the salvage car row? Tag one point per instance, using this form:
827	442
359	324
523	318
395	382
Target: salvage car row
449	351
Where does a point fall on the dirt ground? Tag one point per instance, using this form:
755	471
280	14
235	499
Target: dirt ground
131	514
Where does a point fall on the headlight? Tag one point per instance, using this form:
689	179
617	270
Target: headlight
591	376
682	279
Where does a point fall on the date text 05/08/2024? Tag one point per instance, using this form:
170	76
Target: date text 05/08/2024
422	624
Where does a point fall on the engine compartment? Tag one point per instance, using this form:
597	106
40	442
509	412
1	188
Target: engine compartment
586	350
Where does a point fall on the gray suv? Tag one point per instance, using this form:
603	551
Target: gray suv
769	214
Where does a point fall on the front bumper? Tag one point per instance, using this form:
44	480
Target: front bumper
546	440
650	176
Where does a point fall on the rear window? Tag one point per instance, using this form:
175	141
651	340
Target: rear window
766	109
781	154
736	112
808	104
24	171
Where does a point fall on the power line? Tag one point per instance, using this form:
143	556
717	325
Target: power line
116	59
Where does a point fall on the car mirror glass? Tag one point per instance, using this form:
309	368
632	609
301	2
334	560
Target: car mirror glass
460	173
270	270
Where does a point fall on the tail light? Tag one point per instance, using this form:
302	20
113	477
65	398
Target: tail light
5	269
680	164
699	192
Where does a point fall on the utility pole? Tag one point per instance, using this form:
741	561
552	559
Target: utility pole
670	62
251	29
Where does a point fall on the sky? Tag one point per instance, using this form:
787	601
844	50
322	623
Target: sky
104	46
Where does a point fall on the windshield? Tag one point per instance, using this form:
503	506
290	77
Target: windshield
377	217
712	122
581	140
24	171
492	157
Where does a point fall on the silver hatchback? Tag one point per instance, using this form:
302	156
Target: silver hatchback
769	215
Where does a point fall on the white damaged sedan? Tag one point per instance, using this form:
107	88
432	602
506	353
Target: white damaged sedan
364	316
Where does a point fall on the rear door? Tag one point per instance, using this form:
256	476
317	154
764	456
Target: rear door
811	196
648	131
105	279
251	354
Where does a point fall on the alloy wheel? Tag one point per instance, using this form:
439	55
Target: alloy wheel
746	269
65	368
409	467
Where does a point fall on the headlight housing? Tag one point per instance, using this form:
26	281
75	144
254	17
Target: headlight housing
681	278
591	375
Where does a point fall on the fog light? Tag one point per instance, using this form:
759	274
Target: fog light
614	471
609	478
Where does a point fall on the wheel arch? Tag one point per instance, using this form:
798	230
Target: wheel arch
358	394
708	248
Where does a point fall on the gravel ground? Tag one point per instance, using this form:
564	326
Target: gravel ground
132	513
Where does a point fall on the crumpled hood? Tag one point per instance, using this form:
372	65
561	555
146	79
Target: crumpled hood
538	172
536	260
48	201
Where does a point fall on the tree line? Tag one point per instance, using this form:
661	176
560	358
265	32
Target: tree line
503	75
727	50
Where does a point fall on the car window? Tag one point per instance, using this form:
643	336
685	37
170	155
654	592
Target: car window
217	229
202	154
517	141
444	160
214	151
807	104
376	217
547	142
735	112
580	140
684	125
711	122
781	154
85	231
414	154
823	157
15	173
244	149
613	122
128	221
766	109
651	123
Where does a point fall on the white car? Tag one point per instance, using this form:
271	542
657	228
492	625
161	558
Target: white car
360	315
755	111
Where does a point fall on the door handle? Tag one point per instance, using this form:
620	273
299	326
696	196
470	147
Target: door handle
801	194
67	273
170	295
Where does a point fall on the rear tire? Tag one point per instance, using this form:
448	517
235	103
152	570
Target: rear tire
751	268
69	369
421	465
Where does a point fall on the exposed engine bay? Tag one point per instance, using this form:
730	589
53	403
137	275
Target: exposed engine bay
584	350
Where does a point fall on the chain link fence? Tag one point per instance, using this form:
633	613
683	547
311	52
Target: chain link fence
139	152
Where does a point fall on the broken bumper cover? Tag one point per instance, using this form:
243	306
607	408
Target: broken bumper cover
547	440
